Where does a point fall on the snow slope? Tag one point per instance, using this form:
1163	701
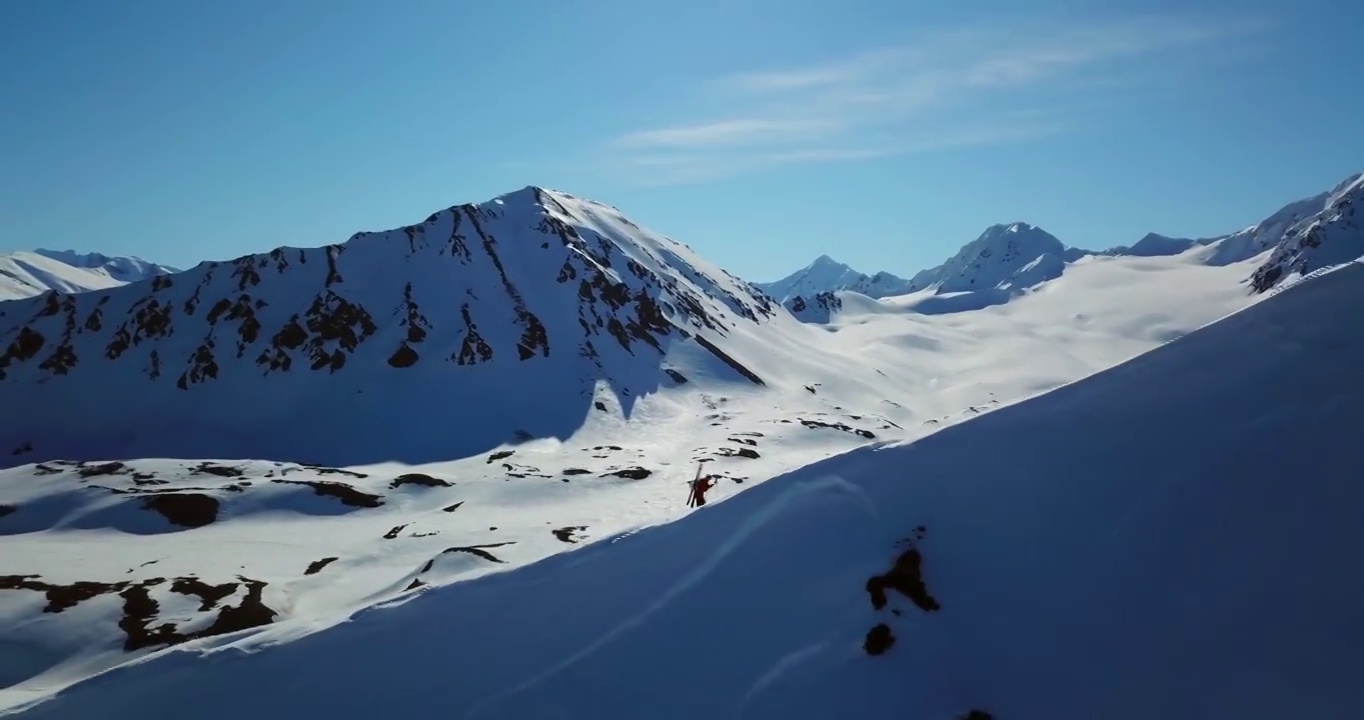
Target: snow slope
25	274
1169	538
113	553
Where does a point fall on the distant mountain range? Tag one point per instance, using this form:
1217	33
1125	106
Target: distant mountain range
28	273
1010	258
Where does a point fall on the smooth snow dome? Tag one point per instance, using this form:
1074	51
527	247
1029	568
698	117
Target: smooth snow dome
1134	545
25	274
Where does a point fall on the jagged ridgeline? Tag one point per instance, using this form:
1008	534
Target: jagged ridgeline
444	317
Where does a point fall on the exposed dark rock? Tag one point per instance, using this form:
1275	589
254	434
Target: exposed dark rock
320	470
839	426
726	359
879	639
576	471
316	566
749	453
209	595
905	577
191	510
479	550
393	534
452	508
59	597
500	455
228	471
566	534
418	479
341	491
632	473
677	377
7	509
109	468
600	405
403	357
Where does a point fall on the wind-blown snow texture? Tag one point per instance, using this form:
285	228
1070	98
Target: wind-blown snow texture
25	274
1133	545
1007	260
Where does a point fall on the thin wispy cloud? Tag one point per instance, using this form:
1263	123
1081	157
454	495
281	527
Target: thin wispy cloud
953	88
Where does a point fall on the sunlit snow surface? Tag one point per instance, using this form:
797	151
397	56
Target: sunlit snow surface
932	371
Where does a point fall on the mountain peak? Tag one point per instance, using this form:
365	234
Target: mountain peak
825	276
533	299
1006	256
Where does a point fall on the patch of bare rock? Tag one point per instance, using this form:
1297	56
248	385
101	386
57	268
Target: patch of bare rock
630	473
419	479
316	566
341	491
568	534
140	609
905	576
191	510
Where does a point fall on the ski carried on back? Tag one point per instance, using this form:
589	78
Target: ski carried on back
699	486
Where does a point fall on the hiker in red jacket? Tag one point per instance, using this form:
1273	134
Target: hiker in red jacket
698	490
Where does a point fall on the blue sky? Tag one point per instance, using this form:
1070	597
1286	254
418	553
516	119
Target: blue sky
761	132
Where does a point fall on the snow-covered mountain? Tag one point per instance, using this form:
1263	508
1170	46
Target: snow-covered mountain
514	318
25	274
827	275
1009	259
277	443
1325	238
1005	257
1162	539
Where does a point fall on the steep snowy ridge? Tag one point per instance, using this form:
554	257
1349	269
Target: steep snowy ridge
25	274
1012	256
513	311
1330	236
1133	545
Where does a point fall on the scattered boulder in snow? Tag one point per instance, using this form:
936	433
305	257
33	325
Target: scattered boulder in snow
316	566
905	577
813	424
879	640
631	473
567	534
191	510
341	491
420	479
